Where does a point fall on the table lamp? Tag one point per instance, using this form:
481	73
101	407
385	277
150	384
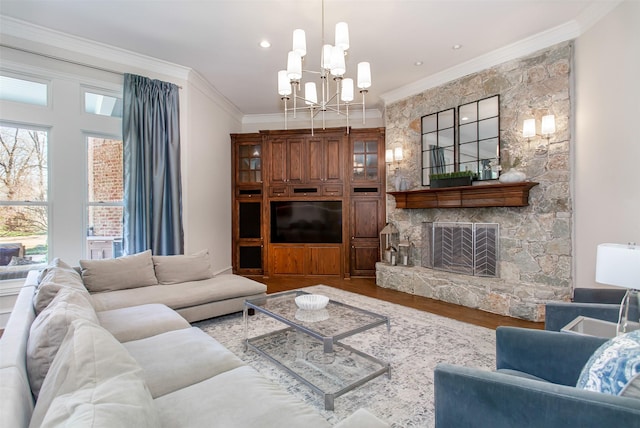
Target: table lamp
619	265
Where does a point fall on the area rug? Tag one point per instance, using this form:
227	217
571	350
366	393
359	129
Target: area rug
417	343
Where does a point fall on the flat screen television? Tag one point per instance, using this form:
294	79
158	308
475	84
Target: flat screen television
306	222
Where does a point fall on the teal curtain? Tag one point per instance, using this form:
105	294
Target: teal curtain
152	189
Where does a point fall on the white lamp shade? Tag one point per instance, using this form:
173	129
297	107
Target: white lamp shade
310	94
299	42
342	35
619	265
294	66
548	125
284	85
364	75
338	66
388	156
397	153
347	90
529	128
326	56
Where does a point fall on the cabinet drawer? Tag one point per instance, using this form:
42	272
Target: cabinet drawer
332	190
278	191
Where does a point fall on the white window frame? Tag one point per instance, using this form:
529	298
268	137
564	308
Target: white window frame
29	78
25	203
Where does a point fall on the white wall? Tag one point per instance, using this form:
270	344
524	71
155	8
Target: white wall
206	172
607	142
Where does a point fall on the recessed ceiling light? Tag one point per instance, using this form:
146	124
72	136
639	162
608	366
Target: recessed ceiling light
456	47
418	63
265	44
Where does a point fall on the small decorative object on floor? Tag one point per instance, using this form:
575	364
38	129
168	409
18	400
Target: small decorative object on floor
312	302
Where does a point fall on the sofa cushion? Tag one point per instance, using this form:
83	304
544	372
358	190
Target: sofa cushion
93	381
183	268
183	295
177	359
241	397
138	322
56	262
121	273
50	328
613	365
57	278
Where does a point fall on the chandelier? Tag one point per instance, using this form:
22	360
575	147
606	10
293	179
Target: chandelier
336	97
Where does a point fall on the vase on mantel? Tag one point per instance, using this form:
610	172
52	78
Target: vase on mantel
512	176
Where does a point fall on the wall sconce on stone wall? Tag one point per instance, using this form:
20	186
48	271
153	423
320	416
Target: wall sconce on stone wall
395	155
547	128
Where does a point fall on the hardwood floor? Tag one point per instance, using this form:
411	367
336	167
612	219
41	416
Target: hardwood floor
368	287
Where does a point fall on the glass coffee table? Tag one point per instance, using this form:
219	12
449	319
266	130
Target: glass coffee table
308	343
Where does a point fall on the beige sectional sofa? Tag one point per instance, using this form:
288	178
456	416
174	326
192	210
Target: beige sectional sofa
69	357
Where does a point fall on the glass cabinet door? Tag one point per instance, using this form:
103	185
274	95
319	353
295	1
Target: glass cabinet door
250	163
365	160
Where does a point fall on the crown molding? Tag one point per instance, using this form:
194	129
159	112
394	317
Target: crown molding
562	33
43	39
198	82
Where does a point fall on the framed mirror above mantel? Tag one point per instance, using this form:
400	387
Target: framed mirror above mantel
466	138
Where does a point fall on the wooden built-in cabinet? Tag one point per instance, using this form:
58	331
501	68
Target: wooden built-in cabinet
294	165
248	205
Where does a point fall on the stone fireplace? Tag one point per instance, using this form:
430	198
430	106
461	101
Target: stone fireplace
534	258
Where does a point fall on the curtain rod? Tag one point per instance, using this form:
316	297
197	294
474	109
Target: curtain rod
69	61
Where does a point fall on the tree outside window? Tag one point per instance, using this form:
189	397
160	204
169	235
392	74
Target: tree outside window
23	200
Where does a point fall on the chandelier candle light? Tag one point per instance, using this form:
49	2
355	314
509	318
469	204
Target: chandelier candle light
332	63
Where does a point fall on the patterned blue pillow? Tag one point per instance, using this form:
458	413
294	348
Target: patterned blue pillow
613	365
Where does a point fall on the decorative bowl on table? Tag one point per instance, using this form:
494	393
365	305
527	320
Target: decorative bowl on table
312	316
312	302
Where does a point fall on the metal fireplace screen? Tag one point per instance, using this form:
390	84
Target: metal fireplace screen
467	248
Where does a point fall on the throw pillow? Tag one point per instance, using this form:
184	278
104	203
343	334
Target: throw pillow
93	381
613	366
121	273
21	261
49	329
183	268
56	279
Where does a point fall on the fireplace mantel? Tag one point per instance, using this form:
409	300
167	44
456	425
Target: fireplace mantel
486	195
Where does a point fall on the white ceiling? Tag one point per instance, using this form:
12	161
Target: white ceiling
220	38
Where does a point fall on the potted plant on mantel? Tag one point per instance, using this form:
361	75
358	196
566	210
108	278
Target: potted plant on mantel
451	179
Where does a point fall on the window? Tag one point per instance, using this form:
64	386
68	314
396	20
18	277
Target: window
104	197
23	199
23	91
102	104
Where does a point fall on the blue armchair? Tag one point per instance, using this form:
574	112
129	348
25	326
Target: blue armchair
599	303
533	386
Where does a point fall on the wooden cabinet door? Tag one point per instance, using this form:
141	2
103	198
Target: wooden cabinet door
324	260
316	159
364	255
325	159
365	218
333	159
296	161
278	161
366	222
287	260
